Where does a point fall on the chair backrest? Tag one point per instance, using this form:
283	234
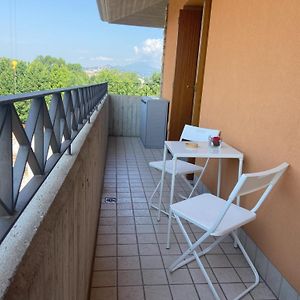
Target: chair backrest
252	182
197	134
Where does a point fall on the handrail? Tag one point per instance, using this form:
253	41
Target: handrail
25	96
46	135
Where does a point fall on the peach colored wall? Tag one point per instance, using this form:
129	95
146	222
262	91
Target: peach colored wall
252	93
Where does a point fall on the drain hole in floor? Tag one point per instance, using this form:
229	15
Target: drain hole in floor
110	200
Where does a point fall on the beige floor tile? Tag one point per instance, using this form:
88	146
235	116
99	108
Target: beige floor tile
106	250
158	292
125	220
124	200
107	229
143	220
173	250
146	238
163	220
162	238
141	213
262	291
186	292
127	250
245	274
131	293
120	194
154	277
108	213
180	276
161	228
124	213
151	262
216	250
127	239
140	205
108	221
108	293
237	260
138	199
194	265
225	275
126	229
181	238
232	290
129	277
149	249
218	261
144	229
106	239
229	249
198	276
122	206
128	263
105	263
104	278
169	259
205	293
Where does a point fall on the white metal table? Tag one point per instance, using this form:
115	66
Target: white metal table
178	149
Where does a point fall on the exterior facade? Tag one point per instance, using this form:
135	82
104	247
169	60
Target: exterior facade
233	65
250	91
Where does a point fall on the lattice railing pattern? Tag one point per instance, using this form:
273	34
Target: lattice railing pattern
47	133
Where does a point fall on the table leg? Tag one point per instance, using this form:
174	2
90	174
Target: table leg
162	182
171	200
240	170
219	176
239	175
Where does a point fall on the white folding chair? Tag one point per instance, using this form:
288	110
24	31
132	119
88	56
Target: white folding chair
219	218
193	134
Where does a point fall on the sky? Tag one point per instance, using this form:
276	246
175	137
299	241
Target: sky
73	30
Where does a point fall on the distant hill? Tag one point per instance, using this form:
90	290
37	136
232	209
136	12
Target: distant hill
143	69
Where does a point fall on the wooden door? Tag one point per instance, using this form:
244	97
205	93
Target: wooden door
185	70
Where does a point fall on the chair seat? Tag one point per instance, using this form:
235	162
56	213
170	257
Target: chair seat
182	167
203	211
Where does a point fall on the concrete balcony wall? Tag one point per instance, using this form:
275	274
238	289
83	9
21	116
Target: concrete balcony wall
48	254
124	114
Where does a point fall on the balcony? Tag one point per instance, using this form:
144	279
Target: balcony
231	65
131	259
65	241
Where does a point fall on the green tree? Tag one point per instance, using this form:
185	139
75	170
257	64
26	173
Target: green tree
43	73
6	76
46	72
128	83
77	76
36	77
152	85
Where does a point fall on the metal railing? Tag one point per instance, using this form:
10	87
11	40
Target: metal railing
55	117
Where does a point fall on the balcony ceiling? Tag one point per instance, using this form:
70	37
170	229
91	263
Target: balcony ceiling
149	13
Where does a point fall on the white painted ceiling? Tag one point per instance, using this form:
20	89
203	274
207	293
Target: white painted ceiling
150	13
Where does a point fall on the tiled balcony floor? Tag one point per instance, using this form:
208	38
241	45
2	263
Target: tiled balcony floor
131	261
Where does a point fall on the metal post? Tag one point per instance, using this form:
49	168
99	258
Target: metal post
6	161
